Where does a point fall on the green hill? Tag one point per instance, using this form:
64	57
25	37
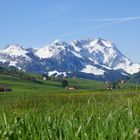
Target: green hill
22	86
29	83
24	83
39	87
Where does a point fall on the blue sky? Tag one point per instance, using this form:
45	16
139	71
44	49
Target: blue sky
35	23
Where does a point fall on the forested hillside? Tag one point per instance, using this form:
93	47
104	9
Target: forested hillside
13	71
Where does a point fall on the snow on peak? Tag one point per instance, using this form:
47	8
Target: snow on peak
13	47
107	43
105	53
59	42
102	42
81	42
14	50
76	43
99	51
91	51
51	50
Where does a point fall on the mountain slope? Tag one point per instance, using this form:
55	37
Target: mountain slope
135	78
92	59
103	52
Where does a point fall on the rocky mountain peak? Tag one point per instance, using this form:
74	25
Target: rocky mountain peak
94	57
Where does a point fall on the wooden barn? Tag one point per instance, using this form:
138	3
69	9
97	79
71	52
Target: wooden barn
5	88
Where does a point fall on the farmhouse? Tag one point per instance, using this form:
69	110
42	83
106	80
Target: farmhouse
45	77
74	77
111	86
71	87
123	81
5	88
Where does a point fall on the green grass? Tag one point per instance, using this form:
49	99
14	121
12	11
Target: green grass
44	110
21	87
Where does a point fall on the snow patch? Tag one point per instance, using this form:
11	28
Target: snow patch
93	70
50	73
131	69
77	54
14	50
3	60
13	63
107	43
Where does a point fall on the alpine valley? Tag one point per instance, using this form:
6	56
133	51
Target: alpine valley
97	59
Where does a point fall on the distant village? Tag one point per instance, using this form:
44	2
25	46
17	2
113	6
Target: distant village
120	84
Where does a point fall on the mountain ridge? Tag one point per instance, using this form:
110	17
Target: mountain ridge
88	58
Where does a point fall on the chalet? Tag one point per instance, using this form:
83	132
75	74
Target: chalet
74	77
111	86
71	87
5	88
45	77
106	82
123	81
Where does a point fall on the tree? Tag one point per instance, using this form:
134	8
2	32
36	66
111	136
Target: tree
116	85
64	83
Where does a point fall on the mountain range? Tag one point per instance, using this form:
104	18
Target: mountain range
88	58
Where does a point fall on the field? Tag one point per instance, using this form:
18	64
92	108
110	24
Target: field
44	110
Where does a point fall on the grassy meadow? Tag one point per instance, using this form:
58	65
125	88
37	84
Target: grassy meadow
43	110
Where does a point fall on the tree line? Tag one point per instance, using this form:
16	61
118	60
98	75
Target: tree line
13	71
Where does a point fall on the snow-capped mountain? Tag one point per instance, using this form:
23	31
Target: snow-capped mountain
104	52
89	58
14	50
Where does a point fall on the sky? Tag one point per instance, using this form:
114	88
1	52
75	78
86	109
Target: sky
36	23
